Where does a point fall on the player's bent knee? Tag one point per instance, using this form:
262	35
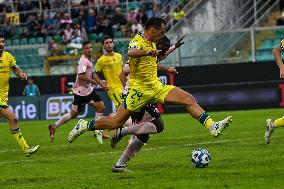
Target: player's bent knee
158	122
116	124
74	114
143	137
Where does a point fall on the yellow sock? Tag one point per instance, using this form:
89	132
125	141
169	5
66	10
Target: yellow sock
208	122
205	120
279	122
21	141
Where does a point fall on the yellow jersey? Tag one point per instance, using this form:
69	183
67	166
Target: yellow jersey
143	70
282	45
110	67
178	15
7	62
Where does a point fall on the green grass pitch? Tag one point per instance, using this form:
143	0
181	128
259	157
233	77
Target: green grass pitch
240	159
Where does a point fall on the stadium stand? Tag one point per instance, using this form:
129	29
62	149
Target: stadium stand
36	24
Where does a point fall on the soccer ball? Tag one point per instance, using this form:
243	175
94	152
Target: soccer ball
200	158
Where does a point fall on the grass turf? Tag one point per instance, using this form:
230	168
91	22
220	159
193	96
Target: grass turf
240	159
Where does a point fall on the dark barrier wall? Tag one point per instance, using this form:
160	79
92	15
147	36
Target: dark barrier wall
227	73
236	96
46	84
188	76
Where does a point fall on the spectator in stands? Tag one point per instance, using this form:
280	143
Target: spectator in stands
58	29
68	34
27	7
9	28
91	21
118	20
104	29
178	14
31	89
80	34
131	17
84	3
66	20
34	27
142	17
82	17
57	4
48	27
96	3
45	5
154	12
111	3
136	27
280	21
54	49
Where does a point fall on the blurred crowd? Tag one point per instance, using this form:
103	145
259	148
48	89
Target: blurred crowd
75	20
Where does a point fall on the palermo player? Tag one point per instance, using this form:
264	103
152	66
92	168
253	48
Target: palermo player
84	92
270	124
146	88
7	64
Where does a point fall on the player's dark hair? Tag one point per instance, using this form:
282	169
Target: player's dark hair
2	35
105	38
163	44
86	43
154	22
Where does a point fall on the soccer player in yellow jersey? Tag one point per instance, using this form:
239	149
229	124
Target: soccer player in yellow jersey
146	88
8	64
110	65
270	124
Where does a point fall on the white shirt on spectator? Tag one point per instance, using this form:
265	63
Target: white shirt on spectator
137	28
68	34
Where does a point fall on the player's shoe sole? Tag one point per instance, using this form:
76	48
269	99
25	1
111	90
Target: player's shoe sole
31	150
120	169
76	131
217	127
268	131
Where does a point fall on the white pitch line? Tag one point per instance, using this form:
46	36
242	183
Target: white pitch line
145	149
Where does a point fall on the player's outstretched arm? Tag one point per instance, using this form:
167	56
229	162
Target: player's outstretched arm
169	70
20	73
173	48
179	41
277	56
136	53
